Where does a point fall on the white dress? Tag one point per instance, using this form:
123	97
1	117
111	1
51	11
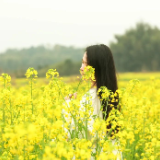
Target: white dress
96	111
95	104
89	98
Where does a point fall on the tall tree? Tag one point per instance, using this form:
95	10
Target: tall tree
138	49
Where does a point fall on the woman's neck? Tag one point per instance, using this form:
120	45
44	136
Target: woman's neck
93	84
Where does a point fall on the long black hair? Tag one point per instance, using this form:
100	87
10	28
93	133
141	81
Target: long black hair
100	57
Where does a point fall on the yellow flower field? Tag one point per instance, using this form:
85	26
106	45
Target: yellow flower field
38	123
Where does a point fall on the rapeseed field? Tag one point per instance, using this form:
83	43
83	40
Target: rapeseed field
37	122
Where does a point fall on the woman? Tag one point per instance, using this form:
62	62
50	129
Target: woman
101	59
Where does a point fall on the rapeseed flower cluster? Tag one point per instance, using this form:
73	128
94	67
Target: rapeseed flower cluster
89	73
5	79
38	123
31	73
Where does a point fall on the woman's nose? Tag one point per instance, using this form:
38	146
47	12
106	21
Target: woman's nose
81	67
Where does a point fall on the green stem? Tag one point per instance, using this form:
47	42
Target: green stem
31	96
4	83
59	89
11	111
78	84
86	131
24	152
61	93
4	119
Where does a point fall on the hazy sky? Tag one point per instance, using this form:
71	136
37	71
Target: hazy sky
25	23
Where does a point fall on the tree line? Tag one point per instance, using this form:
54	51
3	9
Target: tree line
137	50
16	62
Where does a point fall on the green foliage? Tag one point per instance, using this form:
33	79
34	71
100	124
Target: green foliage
65	68
16	62
138	49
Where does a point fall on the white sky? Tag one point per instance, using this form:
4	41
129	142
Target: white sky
25	23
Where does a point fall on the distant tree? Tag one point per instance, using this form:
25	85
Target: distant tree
15	61
138	49
65	68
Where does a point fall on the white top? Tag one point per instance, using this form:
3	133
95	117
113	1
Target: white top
93	97
90	97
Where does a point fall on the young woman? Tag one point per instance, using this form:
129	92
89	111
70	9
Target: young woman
101	59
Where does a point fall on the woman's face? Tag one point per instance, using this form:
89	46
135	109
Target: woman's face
84	63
